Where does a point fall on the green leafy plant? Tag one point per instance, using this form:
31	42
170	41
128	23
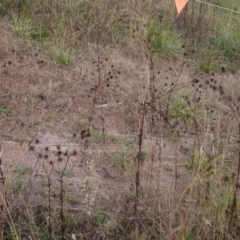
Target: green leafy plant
18	185
207	66
77	236
98	136
99	218
39	34
119	159
198	164
5	7
21	169
4	111
72	198
183	111
65	173
143	156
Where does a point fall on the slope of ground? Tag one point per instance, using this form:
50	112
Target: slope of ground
128	136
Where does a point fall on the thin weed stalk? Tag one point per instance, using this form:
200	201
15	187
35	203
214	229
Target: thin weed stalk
7	217
3	210
233	208
139	155
62	191
49	185
151	87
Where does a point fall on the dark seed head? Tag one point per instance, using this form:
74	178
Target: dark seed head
225	178
237	185
74	153
59	153
83	133
223	69
31	148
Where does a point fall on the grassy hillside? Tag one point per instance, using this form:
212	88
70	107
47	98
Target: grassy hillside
119	120
62	27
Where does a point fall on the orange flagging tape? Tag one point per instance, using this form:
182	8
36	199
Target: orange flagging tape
180	5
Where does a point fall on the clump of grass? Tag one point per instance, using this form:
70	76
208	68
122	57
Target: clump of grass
22	26
183	111
39	34
61	56
164	41
120	159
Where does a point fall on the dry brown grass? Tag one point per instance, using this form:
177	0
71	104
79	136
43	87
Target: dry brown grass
138	146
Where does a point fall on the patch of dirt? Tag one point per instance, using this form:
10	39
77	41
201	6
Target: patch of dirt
28	161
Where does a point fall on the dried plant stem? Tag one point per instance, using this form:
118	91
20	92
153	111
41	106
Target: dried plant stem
139	155
62	191
234	202
3	208
48	175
